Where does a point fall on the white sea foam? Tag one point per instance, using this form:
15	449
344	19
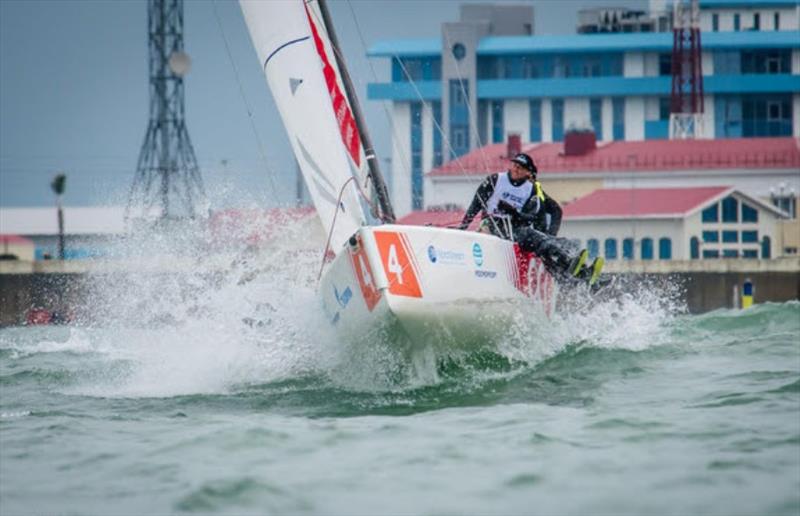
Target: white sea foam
224	321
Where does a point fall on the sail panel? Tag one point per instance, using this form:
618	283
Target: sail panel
284	40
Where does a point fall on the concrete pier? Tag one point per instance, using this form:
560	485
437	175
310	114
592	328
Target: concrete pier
65	288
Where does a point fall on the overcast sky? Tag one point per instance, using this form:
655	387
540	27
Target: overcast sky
74	92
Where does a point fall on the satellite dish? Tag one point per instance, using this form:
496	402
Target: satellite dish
180	63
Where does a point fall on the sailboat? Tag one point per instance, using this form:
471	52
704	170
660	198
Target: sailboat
425	286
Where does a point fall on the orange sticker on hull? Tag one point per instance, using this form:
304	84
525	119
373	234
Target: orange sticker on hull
366	280
398	262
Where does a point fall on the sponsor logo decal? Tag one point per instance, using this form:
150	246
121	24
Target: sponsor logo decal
477	254
344	298
486	274
445	256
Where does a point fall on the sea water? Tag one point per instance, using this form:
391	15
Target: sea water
227	392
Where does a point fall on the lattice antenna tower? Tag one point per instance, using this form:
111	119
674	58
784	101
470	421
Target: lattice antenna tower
686	105
167	182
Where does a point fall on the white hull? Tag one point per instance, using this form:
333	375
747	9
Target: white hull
430	287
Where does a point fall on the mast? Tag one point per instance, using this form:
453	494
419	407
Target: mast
372	160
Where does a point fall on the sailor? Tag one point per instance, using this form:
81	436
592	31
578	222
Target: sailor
514	206
503	194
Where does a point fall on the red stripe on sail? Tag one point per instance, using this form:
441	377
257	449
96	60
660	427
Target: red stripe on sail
344	117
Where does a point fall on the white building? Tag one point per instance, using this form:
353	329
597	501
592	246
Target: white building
674	224
487	76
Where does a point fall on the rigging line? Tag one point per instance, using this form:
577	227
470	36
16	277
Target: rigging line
389	118
270	171
469	108
333	225
426	105
447	140
380	189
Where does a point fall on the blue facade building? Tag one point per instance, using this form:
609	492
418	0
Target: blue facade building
489	76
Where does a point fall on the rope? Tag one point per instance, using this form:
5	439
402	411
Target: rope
333	225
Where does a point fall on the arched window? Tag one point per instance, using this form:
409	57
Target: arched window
611	248
627	249
766	250
665	249
647	249
694	248
593	246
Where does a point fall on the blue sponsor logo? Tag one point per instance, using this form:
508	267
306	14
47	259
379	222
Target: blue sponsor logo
432	254
445	257
344	298
486	274
477	254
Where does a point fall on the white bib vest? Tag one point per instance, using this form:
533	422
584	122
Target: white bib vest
516	196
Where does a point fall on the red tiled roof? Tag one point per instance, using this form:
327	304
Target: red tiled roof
15	239
650	155
628	202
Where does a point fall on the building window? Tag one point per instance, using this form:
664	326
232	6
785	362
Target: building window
647	249
749	214
536	120
715	22
416	69
750	253
459	51
596	114
611	248
730	210
766	248
618	116
416	155
459	116
436	108
710	253
627	249
730	253
664	107
756	21
694	248
766	115
665	249
711	214
772	61
558	119
737	22
776	21
593	246
785	201
710	236
497	121
664	64
749	237
730	237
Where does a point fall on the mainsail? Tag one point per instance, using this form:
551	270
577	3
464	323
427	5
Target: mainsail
295	52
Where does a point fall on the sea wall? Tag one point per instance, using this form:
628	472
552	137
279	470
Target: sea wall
68	290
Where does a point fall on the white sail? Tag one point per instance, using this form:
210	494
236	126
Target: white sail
301	72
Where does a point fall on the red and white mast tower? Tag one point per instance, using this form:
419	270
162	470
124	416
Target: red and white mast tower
686	106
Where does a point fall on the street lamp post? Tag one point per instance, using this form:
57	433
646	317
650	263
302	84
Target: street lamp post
58	184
